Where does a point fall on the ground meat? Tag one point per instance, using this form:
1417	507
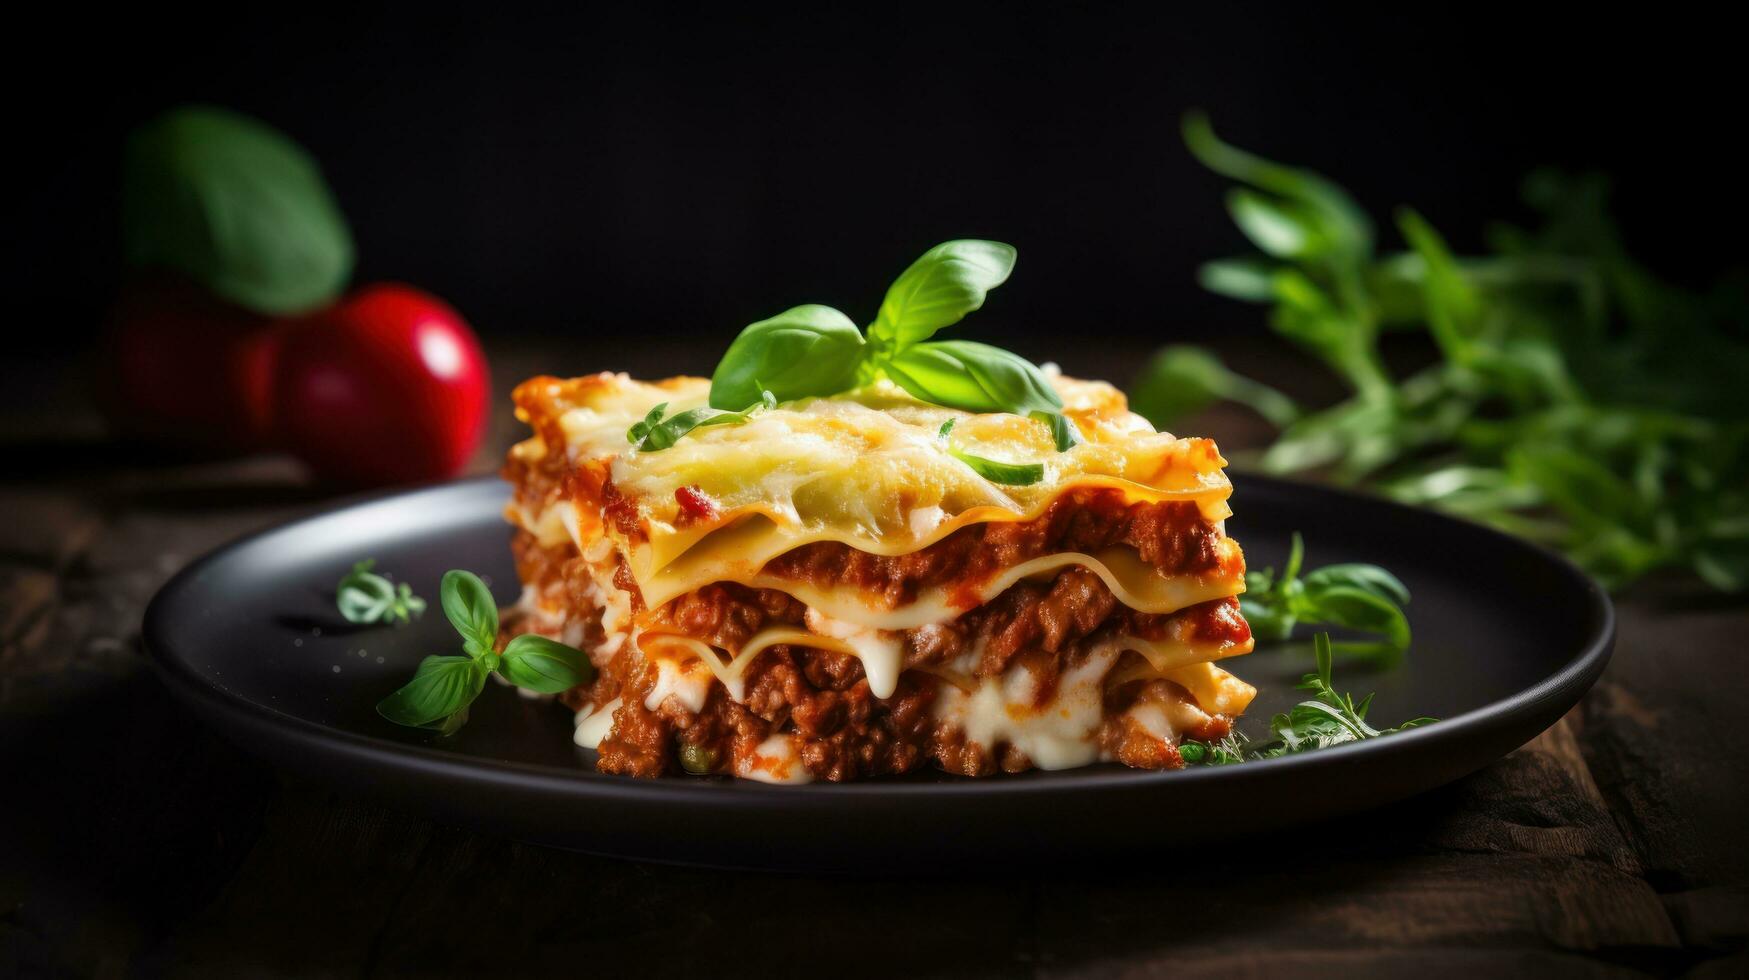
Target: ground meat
621	512
1074	604
1050	615
639	743
1172	536
841	730
726	615
822	697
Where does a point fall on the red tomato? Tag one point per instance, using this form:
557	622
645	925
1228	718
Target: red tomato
179	365
387	386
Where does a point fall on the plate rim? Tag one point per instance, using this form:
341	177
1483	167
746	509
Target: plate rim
1571	680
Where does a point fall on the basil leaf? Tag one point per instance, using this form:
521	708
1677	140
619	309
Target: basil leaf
639	430
1343	605
996	471
440	688
452	724
236	206
471	610
1367	578
1063	430
803	351
544	665
938	290
973	377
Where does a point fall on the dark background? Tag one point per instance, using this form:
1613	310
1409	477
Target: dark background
586	173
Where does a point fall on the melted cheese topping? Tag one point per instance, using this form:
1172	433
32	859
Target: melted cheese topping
868	468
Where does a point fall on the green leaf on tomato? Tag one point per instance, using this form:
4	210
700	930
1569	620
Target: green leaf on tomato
237	206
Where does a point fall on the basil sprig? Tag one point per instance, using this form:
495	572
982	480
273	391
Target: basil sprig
442	688
1359	597
816	351
1330	717
363	596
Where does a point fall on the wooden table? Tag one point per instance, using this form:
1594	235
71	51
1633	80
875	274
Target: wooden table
132	839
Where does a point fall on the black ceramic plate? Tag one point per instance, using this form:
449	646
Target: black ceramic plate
1507	638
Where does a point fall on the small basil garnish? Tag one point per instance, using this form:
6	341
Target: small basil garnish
994	470
442	688
363	596
656	433
1063	431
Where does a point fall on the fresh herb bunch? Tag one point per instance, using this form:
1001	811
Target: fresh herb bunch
1356	596
366	597
1577	401
816	351
1329	718
442	688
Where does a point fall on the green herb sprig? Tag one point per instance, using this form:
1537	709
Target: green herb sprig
1355	596
816	351
442	688
363	596
994	470
1577	401
1331	717
656	433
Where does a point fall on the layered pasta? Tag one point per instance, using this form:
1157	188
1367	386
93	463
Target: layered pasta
829	591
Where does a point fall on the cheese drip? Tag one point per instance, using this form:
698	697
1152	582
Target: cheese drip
687	665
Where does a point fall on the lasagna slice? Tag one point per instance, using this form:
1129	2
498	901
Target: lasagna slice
831	590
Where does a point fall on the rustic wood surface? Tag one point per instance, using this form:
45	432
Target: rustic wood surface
135	841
